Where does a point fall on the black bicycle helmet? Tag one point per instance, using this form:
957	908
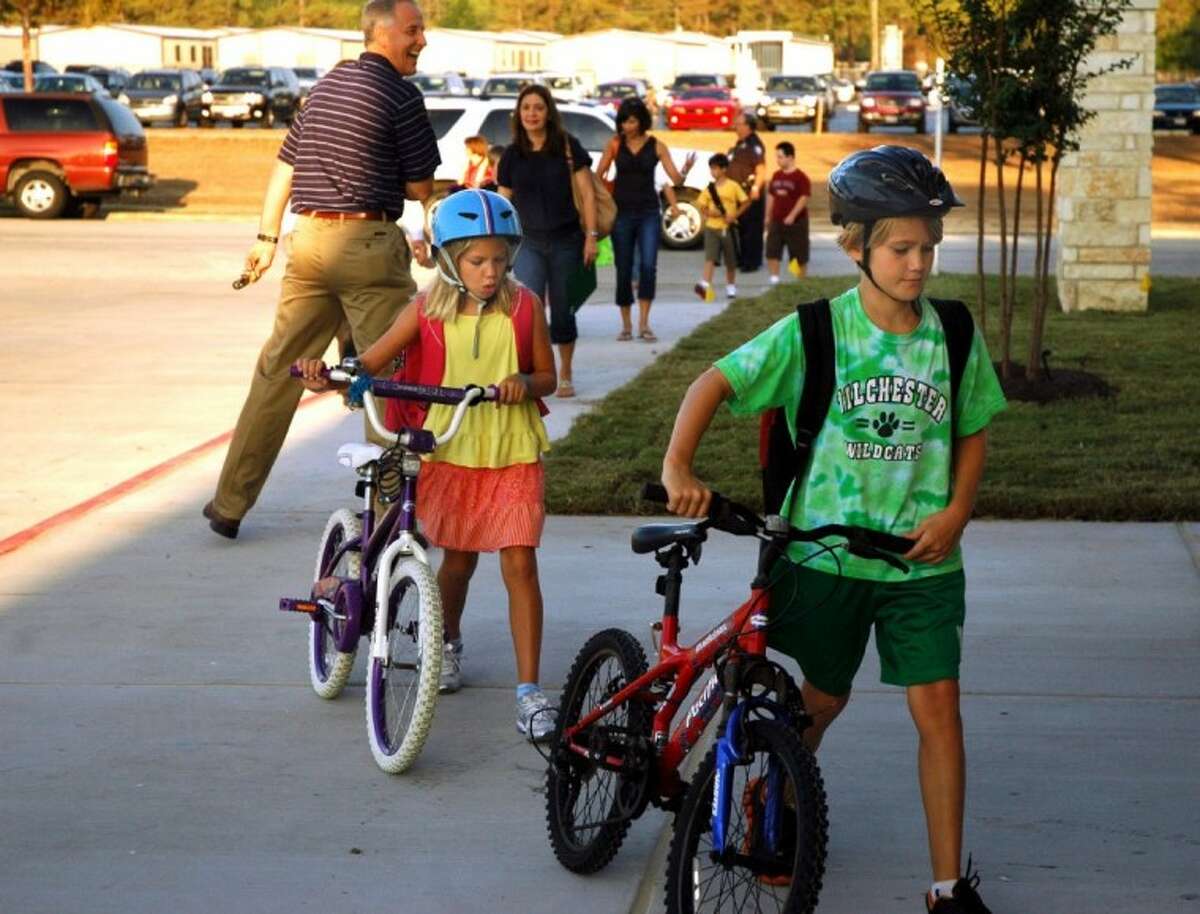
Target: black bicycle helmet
888	182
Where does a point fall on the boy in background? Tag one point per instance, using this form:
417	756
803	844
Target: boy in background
722	202
788	194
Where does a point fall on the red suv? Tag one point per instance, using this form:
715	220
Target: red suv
889	98
60	152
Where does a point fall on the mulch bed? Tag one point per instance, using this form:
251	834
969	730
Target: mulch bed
1054	384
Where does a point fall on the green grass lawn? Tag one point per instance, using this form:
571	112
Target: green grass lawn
1135	456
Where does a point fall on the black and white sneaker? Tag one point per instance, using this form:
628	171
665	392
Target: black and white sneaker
963	900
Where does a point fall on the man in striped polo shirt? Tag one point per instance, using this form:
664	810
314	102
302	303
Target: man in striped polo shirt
360	146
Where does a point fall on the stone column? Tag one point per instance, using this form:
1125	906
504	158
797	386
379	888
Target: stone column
1104	189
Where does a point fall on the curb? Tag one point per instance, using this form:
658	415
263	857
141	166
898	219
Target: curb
1189	532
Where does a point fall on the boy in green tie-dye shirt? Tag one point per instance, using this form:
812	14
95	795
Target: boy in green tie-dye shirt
896	453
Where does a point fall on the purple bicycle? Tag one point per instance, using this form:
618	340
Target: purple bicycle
373	577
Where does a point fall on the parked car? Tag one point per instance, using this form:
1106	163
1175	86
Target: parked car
113	79
474	85
564	87
83	83
711	108
61	153
843	90
11	82
789	100
39	66
263	95
454	119
208	76
439	84
506	85
1177	107
891	98
685	81
957	95
165	96
610	95
306	76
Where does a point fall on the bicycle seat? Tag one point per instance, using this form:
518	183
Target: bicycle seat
652	537
358	455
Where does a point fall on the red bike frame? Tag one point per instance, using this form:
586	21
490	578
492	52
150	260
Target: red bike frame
682	665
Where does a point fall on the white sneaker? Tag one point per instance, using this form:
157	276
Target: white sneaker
536	717
731	291
451	678
774	280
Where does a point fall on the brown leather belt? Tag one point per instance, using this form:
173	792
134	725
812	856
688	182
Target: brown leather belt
373	216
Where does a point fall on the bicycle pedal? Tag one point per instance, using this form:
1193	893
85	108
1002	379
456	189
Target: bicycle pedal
290	605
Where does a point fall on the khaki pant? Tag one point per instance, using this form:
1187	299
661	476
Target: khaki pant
356	273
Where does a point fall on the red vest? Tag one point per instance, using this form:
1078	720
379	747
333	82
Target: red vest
424	360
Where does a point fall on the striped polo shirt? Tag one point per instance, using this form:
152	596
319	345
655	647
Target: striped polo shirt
361	135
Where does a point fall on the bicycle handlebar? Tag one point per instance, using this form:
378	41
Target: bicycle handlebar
417	439
732	517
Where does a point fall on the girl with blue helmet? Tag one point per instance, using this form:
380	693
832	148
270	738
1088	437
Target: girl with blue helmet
482	491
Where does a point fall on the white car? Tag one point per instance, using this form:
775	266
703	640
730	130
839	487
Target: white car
455	119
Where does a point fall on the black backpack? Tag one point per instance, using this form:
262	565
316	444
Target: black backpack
784	460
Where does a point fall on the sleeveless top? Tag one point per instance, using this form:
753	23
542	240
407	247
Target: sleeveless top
482	349
633	188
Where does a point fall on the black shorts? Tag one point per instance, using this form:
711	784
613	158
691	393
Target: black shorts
795	236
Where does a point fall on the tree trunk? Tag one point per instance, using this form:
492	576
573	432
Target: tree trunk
26	48
1038	324
1005	314
980	277
1016	236
1033	368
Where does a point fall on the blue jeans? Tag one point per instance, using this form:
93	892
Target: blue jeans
636	232
543	265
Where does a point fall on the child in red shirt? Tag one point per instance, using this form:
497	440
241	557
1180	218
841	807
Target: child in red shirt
787	218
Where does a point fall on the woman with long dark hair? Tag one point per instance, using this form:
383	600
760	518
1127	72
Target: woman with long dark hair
536	172
637	155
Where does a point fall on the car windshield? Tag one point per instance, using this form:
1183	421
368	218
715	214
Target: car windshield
560	82
792	84
691	82
506	86
244	77
122	119
155	82
710	92
617	90
1181	95
430	83
306	72
64	83
893	82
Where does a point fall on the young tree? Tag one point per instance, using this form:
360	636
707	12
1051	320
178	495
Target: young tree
30	14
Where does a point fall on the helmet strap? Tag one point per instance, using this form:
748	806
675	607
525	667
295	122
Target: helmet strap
448	270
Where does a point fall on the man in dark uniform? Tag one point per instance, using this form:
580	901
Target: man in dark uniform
748	166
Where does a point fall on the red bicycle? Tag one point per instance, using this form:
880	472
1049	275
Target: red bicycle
751	828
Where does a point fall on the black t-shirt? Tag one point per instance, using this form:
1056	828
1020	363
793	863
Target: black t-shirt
542	188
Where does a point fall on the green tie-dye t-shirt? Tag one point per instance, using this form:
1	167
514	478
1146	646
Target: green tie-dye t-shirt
883	457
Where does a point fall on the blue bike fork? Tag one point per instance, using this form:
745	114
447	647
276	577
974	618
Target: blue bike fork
730	753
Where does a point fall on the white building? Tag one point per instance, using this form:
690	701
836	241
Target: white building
891	53
481	53
614	54
779	52
287	46
134	47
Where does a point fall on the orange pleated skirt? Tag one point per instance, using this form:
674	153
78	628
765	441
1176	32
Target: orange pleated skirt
472	509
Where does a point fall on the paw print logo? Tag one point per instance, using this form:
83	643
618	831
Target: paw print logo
886	424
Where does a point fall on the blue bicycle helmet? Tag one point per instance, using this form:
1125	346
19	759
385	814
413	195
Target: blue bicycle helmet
470	214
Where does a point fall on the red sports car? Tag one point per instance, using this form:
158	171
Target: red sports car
709	108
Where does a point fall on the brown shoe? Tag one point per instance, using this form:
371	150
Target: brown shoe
223	525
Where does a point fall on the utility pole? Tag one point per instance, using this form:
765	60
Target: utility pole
874	34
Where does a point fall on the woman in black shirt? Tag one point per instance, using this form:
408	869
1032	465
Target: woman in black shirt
535	174
637	155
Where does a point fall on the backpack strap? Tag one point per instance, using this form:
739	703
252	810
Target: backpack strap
782	458
524	303
959	328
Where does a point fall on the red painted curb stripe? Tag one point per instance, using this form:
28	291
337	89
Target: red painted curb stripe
121	489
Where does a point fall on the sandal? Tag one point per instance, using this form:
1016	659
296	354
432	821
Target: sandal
647	335
624	336
565	389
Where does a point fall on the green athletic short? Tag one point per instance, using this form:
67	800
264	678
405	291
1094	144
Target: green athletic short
824	622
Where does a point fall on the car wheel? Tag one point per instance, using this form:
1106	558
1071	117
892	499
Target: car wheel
920	125
237	125
41	195
863	128
686	229
951	125
181	117
767	125
268	118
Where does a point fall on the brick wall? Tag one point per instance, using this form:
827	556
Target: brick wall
1104	189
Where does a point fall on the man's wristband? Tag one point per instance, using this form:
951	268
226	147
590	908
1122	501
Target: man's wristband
269	239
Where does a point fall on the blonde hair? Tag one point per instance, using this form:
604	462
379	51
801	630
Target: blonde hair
477	145
851	237
442	297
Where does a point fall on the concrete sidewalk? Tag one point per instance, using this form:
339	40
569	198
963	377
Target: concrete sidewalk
163	751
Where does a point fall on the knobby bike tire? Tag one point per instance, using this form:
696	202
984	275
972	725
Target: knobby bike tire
696	883
328	668
401	699
609	661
